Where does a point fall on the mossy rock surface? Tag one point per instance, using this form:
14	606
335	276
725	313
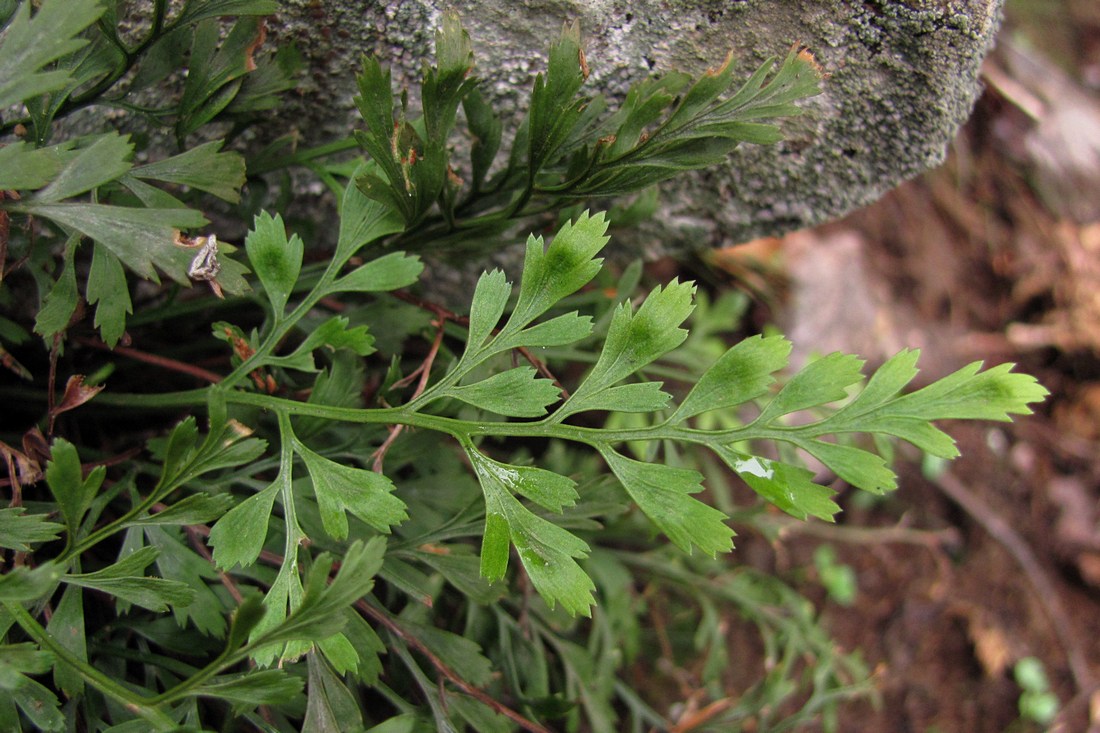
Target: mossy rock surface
902	77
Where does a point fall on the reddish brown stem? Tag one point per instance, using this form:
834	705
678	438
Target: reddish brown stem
161	361
424	371
475	692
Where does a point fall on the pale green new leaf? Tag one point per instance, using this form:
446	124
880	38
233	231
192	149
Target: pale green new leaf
126	581
791	488
388	272
107	290
202	168
547	489
971	394
858	467
238	537
275	259
104	160
564	267
822	381
339	489
490	298
743	373
664	494
558	331
546	550
638	397
18	530
636	339
516	393
29	43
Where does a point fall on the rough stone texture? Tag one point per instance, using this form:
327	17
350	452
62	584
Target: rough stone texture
902	77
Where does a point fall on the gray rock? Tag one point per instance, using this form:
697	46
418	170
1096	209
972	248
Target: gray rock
902	77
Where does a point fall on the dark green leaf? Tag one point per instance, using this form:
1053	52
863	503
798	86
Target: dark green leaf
39	705
202	167
195	509
178	562
340	489
460	567
214	74
517	393
331	707
28	44
107	286
741	374
197	11
126	581
389	272
23	167
238	537
66	626
562	269
60	304
664	494
22	584
487	131
141	238
791	488
244	620
255	687
103	160
17	531
555	108
72	491
460	654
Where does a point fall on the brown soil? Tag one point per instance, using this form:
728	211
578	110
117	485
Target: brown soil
998	558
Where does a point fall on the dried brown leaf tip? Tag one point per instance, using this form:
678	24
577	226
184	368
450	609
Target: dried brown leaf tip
807	56
261	36
718	70
76	394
